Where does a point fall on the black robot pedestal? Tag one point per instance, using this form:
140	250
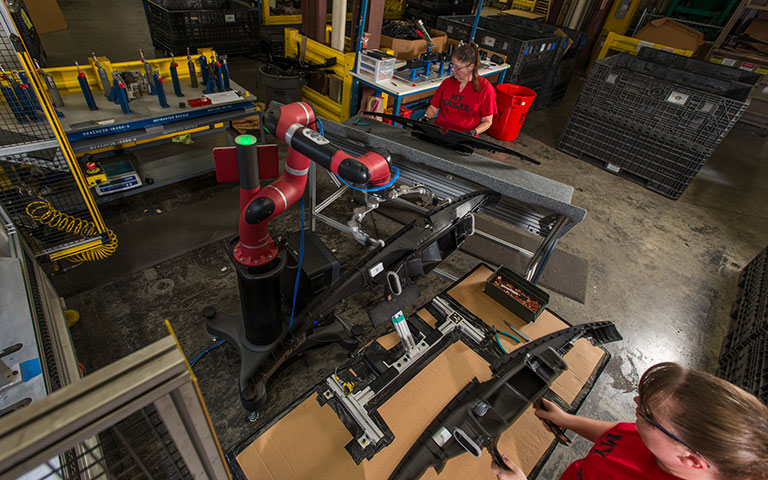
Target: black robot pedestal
261	326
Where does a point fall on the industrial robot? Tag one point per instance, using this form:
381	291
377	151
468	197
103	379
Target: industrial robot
258	259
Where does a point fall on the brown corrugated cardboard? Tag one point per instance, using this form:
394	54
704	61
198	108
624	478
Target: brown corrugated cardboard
308	443
46	15
666	31
408	49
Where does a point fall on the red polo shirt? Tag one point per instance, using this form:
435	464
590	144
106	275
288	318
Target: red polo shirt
619	454
463	110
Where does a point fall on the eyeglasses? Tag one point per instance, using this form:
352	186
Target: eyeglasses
671	435
459	68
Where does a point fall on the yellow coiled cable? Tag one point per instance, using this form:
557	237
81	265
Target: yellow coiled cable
43	213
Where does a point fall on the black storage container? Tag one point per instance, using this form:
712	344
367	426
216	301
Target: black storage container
319	269
531	55
653	124
512	302
567	65
227	26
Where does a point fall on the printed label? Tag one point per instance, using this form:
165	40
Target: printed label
678	98
376	269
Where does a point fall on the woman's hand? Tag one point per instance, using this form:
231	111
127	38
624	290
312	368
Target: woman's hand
550	412
513	472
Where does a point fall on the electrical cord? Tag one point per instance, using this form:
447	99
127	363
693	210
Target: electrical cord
298	269
194	360
395	177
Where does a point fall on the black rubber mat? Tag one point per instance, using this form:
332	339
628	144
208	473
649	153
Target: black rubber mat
565	274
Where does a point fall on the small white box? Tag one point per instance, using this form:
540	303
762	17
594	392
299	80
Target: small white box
376	65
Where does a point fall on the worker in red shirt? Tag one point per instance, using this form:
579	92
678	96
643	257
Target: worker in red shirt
465	101
690	426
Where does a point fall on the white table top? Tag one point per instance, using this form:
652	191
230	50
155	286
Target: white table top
402	88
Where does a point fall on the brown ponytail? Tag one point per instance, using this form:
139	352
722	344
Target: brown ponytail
468	53
725	424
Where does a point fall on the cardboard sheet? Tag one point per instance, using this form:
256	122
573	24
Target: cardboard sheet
309	441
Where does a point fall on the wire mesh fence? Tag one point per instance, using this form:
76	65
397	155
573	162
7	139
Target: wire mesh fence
137	448
139	418
37	187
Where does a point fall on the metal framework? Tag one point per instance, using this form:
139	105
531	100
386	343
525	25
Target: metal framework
140	418
41	186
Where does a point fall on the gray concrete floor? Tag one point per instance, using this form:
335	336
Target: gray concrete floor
665	271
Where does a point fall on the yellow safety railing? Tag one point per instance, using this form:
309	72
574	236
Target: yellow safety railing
318	53
620	43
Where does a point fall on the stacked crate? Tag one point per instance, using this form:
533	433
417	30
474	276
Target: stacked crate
567	65
744	357
224	25
429	10
532	56
654	120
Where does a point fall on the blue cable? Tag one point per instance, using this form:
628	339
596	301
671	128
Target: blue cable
298	269
382	187
194	360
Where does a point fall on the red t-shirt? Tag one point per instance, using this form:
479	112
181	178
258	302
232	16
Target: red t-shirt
463	110
619	454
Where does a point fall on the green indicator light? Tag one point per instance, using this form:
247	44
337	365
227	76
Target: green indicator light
245	140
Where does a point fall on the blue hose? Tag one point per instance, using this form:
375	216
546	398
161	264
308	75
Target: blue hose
381	187
298	269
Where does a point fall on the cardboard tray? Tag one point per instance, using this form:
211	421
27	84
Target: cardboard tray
509	301
307	440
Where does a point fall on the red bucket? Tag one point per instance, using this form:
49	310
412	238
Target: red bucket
513	102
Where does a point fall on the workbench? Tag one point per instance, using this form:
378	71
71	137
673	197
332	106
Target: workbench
147	130
308	440
529	201
399	88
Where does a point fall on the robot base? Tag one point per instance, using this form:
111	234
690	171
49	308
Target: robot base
230	328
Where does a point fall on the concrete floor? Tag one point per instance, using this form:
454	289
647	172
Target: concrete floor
665	271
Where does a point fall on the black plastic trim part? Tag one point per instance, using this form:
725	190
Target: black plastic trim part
519	379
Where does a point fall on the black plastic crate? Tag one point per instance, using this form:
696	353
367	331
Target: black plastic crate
658	162
566	67
525	291
726	88
686	114
232	29
698	66
429	18
442	7
272	40
532	56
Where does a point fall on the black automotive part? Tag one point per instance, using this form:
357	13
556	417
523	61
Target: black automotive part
482	411
460	142
441	230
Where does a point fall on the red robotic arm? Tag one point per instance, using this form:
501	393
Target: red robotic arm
293	123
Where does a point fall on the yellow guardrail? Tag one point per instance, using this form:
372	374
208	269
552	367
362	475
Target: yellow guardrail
318	53
66	77
620	43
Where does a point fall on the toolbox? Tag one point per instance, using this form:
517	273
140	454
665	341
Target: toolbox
377	65
522	291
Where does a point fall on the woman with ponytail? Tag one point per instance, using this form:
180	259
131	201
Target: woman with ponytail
465	101
689	425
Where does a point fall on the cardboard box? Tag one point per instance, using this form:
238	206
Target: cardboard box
46	15
666	31
408	49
